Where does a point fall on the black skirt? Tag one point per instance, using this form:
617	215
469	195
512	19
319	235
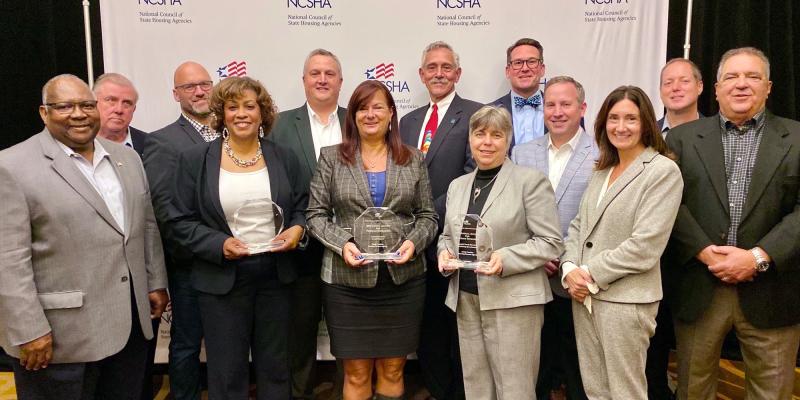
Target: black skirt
378	322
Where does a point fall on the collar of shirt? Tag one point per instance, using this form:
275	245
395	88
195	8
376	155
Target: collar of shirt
570	145
128	141
756	122
666	126
99	152
200	128
333	117
441	109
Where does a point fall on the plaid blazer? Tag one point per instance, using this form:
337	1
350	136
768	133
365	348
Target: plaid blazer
339	194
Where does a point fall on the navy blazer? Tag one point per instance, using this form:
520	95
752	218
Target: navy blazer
198	221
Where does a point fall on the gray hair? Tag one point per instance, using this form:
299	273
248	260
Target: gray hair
55	80
695	70
439	45
567	79
117	79
742	50
322	52
491	117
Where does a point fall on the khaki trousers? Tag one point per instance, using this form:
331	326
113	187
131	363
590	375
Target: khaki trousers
499	349
612	348
769	354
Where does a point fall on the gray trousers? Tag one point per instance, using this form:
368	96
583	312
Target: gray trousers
499	349
612	347
769	354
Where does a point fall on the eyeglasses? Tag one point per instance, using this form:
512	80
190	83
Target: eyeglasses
533	63
190	87
67	107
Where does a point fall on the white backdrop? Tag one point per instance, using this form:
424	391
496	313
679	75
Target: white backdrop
601	43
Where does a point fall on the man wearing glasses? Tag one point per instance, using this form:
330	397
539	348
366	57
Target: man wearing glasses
192	89
82	267
116	102
524	69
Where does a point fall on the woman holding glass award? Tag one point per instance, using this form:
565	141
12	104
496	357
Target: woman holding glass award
498	285
234	195
611	263
370	205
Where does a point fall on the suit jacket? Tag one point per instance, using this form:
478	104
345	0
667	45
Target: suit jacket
66	266
293	131
198	221
574	180
622	238
160	160
137	139
505	102
770	220
522	211
339	194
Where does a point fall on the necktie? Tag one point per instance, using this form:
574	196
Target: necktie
430	130
534	101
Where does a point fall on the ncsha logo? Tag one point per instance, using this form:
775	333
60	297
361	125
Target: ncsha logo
308	4
458	4
588	2
382	72
161	2
233	68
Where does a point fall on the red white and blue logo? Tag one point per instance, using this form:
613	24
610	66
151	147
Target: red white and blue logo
383	72
233	68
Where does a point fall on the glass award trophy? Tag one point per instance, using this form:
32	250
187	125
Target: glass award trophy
256	223
474	240
378	233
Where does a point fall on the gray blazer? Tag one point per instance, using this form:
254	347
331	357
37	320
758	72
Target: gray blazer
64	262
573	181
339	194
622	238
522	214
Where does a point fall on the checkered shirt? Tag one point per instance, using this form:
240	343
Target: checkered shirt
205	131
740	145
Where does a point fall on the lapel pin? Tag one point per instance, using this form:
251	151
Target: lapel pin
119	164
453	121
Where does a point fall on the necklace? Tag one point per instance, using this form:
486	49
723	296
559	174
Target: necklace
371	164
238	161
477	191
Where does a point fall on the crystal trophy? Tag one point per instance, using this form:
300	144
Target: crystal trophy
256	223
474	243
378	233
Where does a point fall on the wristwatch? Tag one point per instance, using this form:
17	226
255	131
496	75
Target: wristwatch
762	265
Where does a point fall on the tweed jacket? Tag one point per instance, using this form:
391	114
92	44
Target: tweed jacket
622	238
521	211
339	194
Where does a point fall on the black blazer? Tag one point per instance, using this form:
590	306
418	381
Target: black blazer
160	161
770	219
137	140
199	224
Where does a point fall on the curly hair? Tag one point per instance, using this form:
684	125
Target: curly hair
233	88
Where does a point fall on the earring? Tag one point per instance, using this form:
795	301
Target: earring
225	133
261	132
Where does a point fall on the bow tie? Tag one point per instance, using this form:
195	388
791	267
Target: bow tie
534	101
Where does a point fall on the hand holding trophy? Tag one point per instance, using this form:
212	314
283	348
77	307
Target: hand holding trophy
378	233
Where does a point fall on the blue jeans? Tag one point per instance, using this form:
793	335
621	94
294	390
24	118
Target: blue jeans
186	332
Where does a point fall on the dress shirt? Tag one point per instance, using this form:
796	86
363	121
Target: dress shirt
322	134
528	121
740	146
442	107
101	175
557	158
128	141
208	133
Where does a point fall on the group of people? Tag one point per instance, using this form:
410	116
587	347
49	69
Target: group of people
601	238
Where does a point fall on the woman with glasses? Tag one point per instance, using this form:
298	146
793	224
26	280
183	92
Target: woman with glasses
242	295
611	263
373	308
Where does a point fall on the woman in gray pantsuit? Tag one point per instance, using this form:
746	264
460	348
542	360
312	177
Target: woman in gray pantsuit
611	264
500	309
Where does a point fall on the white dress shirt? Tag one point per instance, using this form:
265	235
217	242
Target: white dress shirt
441	110
235	188
323	134
557	158
101	175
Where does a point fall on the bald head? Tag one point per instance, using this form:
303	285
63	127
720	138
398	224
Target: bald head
54	82
192	89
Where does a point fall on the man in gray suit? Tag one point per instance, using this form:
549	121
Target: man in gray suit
567	156
441	130
82	266
306	130
192	90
